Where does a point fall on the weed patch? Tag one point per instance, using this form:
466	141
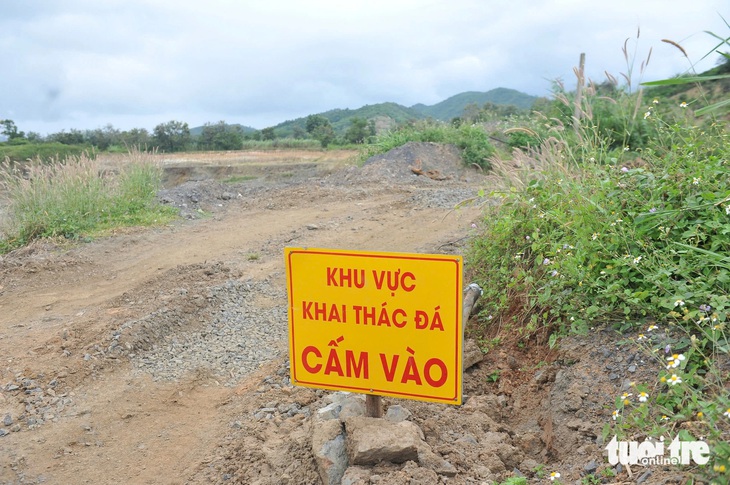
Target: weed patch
74	198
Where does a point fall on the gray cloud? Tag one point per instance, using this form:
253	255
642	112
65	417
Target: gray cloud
82	63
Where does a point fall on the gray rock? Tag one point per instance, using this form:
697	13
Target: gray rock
591	466
644	476
397	413
472	354
4	432
372	440
227	196
8	420
330	411
330	454
354	405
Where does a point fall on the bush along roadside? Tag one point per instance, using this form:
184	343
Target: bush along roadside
637	240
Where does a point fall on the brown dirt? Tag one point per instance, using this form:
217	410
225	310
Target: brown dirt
83	412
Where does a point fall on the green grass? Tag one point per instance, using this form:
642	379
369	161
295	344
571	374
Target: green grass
74	198
239	178
23	152
281	143
638	240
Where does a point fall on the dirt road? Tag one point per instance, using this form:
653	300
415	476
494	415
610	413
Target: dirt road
158	356
76	402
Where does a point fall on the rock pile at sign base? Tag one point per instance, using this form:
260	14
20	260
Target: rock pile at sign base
345	442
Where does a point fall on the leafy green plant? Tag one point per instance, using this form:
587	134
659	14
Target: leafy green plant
590	480
515	481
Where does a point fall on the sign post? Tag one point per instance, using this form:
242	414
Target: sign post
381	324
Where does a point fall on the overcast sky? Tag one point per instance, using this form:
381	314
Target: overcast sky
136	63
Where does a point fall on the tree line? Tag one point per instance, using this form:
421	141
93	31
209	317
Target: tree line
175	136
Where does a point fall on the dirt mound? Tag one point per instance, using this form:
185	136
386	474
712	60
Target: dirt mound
413	163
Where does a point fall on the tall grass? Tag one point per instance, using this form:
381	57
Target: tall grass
590	233
74	197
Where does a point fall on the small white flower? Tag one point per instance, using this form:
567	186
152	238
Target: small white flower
674	380
679	303
674	361
652	327
624	169
554	475
727	210
595	236
554	273
727	413
696	180
647	114
615	414
656	101
683	104
643	396
546	261
637	259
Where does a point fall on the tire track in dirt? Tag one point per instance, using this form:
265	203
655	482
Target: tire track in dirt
56	306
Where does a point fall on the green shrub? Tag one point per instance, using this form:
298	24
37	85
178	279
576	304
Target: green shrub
591	237
473	140
616	242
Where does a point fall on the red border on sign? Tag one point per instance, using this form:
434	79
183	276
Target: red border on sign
369	390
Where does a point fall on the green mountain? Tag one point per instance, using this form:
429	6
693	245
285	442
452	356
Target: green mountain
388	115
382	114
454	106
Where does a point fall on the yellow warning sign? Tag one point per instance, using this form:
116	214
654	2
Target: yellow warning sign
386	324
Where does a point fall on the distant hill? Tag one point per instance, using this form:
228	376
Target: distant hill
714	91
454	106
386	115
382	113
245	129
